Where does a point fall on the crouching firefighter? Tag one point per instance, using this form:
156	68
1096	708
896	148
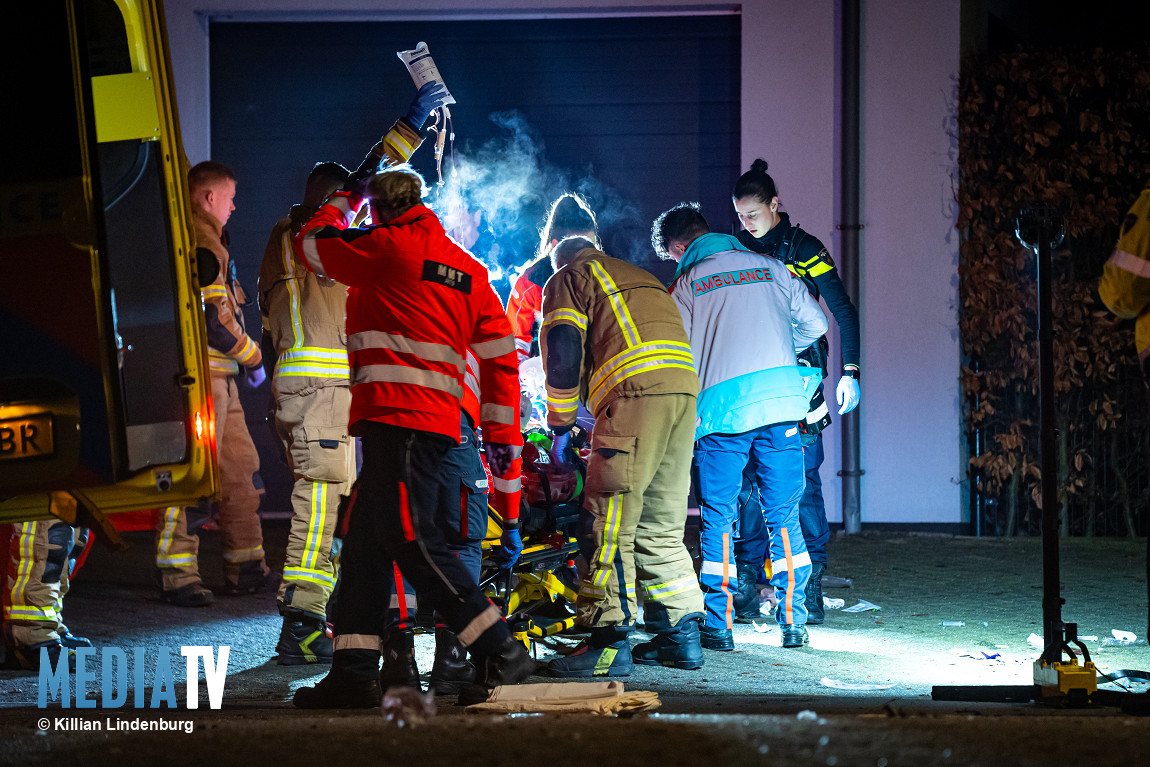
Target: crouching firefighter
638	379
416	303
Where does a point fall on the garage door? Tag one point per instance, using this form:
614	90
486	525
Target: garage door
638	113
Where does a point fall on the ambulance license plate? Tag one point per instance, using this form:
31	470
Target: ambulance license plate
27	437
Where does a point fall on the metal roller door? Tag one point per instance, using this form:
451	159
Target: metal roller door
639	113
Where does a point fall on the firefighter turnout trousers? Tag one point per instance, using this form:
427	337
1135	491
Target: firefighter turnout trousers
40	562
638	478
321	455
392	521
177	541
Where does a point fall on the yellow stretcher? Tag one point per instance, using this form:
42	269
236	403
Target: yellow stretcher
538	594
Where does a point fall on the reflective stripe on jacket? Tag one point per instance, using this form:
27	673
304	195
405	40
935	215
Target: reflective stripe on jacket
1125	284
525	306
746	316
417	303
629	329
504	490
229	346
305	317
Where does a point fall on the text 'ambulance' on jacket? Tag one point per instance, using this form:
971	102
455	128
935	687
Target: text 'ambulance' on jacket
746	316
627	338
416	303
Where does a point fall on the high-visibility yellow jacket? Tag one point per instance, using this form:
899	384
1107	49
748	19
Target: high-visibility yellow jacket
1125	285
631	340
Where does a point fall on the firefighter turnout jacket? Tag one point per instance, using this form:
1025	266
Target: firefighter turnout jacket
1125	285
624	338
417	303
304	315
229	346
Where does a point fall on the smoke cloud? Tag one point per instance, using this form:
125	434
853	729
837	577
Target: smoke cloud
500	192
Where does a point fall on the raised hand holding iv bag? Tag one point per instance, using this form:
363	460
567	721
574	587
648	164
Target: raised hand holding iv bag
422	68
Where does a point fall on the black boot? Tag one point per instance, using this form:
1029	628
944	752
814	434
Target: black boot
510	664
399	666
303	640
681	647
451	670
252	579
814	601
70	641
353	682
794	635
605	653
716	639
747	598
28	657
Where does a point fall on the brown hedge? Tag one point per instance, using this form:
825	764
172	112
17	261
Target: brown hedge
1072	129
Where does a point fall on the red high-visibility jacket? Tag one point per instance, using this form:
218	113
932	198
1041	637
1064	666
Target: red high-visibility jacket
525	306
416	303
505	489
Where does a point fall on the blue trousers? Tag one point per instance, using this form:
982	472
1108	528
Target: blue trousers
751	537
461	513
777	457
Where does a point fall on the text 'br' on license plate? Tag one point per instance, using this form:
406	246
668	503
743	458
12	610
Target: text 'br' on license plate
27	437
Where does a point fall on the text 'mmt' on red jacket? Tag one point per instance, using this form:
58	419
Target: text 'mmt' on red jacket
417	303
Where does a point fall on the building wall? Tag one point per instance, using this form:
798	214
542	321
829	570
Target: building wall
909	263
909	418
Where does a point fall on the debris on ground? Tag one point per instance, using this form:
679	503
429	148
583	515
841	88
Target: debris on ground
602	698
862	607
403	706
979	655
838	685
834	603
806	715
831	582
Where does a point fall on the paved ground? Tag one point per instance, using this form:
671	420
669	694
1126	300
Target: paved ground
751	706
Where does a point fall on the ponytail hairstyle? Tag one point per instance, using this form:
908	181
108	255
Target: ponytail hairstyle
569	214
756	183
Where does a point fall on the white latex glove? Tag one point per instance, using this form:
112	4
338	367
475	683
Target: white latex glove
531	378
848	394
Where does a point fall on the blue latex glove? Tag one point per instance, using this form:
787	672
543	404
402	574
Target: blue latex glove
256	376
429	98
499	457
848	394
559	448
511	547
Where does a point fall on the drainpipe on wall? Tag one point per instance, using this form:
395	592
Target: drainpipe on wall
849	226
